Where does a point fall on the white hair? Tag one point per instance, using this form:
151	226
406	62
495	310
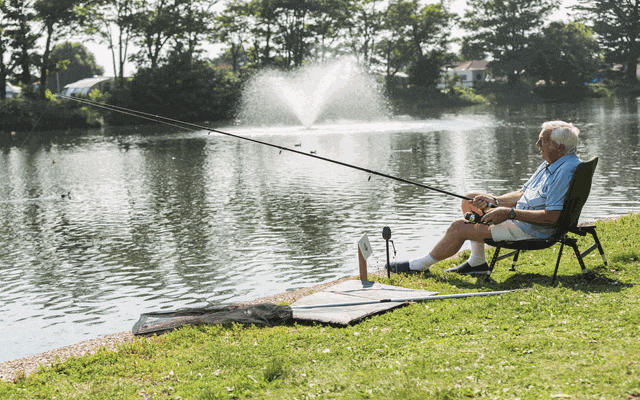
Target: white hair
564	133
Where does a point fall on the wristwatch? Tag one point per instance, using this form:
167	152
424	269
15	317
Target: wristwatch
512	213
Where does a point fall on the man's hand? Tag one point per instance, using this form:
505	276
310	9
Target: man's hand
496	215
482	201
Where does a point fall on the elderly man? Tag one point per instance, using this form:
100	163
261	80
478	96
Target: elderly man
524	214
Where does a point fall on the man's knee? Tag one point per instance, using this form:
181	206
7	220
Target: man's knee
456	228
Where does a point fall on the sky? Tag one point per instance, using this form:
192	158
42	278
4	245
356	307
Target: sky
104	59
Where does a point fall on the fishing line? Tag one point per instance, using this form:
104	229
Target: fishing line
194	127
36	124
404	300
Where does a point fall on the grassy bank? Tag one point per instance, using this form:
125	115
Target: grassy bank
578	339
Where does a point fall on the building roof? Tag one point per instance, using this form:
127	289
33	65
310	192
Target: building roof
467	65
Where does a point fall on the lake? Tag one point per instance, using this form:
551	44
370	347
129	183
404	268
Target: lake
160	218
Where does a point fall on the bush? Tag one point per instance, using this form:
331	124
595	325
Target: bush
467	95
24	115
599	90
182	89
502	93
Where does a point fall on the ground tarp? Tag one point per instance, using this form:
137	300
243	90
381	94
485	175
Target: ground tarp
349	292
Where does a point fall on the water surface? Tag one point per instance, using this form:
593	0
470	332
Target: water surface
161	219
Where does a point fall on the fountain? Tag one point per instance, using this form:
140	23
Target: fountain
316	92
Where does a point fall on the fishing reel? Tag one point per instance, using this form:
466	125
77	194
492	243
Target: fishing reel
474	218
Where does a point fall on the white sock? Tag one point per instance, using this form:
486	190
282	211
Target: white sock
477	256
422	264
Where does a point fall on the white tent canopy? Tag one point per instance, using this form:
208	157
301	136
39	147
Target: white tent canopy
12	91
84	86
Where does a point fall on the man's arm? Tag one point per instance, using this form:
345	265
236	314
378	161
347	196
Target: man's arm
538	217
510	199
482	201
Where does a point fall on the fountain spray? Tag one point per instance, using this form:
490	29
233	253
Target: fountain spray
339	90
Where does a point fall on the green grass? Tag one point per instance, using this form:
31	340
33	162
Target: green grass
578	339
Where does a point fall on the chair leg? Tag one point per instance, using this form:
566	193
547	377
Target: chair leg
514	261
574	243
494	260
555	273
600	249
591	230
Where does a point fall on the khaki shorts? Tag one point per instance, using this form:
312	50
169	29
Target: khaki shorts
507	230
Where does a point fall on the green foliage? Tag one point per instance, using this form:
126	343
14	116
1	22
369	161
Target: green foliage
503	29
181	89
599	90
426	70
566	54
73	62
467	95
418	37
513	94
420	101
616	23
23	115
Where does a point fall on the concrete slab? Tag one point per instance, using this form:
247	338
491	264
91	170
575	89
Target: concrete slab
323	304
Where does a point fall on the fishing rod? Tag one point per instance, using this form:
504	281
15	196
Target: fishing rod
194	127
416	299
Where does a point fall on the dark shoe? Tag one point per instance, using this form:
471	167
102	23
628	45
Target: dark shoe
402	267
398	266
466	269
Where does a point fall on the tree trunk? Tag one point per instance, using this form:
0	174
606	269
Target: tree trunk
44	68
3	73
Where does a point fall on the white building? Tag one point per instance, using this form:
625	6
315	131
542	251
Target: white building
470	72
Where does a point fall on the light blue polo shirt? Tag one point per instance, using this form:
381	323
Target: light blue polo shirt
546	190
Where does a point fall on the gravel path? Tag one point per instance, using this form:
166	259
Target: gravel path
27	365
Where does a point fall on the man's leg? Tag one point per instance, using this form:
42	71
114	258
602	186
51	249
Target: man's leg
458	232
477	256
452	241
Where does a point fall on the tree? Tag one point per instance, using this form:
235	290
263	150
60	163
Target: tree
72	62
364	27
503	28
19	14
292	19
183	88
112	22
58	17
232	28
155	22
262	31
196	24
617	22
564	53
4	40
419	37
329	20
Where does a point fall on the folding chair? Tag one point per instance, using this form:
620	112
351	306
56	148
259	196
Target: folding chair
577	195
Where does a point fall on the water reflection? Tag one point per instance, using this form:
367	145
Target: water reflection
162	219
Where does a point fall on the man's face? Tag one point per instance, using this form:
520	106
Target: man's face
549	151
